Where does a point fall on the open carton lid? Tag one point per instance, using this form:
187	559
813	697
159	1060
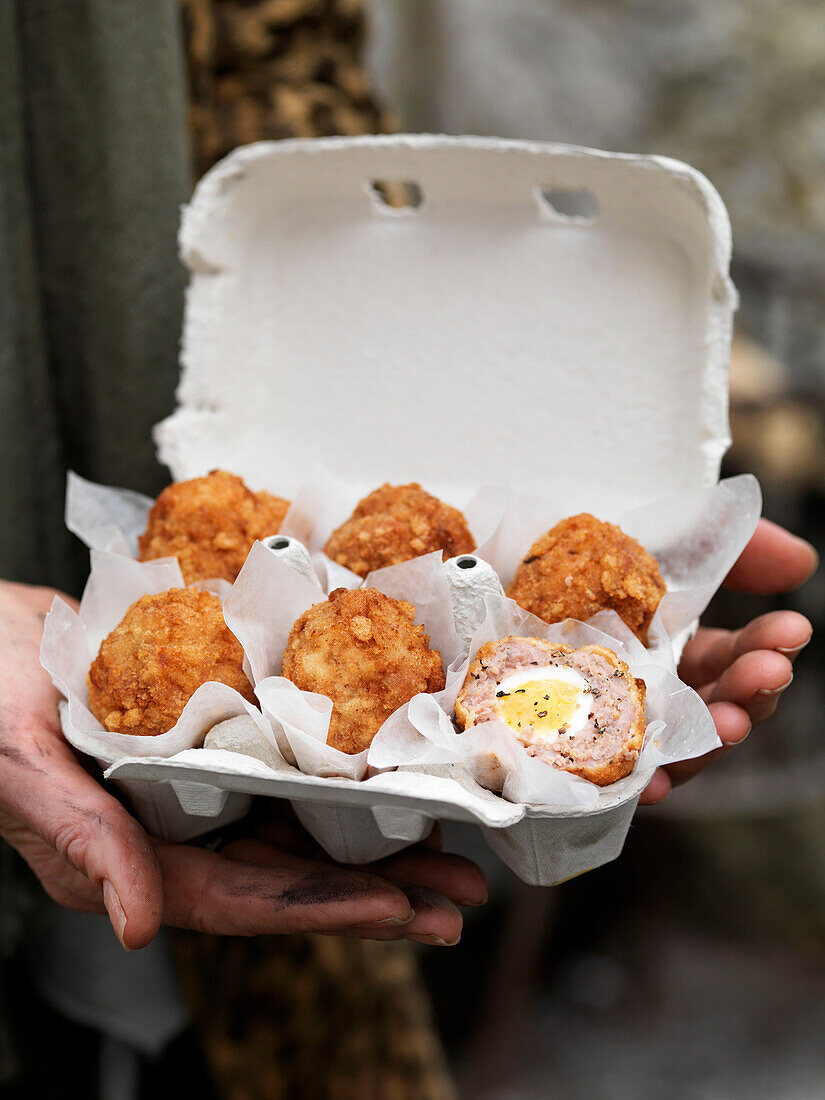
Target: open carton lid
547	315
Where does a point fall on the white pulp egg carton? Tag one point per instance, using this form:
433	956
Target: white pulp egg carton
542	313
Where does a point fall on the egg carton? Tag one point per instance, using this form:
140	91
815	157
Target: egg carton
549	316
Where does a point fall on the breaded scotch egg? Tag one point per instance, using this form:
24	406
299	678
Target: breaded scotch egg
396	523
209	524
579	710
362	650
163	649
583	566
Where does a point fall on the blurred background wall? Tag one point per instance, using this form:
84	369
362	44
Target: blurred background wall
693	966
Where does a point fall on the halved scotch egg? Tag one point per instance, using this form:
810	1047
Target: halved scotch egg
579	710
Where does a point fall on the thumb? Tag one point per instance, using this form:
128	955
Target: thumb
103	841
111	848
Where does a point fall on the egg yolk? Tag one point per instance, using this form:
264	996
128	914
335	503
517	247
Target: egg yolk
545	706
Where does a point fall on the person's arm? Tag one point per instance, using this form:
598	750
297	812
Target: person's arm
741	674
90	854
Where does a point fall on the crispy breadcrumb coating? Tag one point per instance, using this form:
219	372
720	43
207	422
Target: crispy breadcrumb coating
209	524
396	523
583	566
163	649
363	650
608	746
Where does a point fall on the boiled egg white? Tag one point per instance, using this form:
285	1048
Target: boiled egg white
543	702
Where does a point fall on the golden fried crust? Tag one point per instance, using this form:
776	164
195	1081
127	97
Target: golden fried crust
623	760
210	524
394	524
363	650
583	566
163	649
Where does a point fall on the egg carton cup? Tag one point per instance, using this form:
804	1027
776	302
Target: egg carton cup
70	643
679	725
695	536
266	600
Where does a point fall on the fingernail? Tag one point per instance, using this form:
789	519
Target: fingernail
473	903
793	652
392	920
115	910
767	693
435	941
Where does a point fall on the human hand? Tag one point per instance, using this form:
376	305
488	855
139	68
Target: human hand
434	883
90	854
741	674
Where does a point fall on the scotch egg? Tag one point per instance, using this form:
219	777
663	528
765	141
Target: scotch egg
583	566
579	710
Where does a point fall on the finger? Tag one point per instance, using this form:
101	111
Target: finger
712	651
657	789
754	682
686	769
453	876
267	853
270	892
58	800
432	914
435	840
436	921
773	561
458	879
733	724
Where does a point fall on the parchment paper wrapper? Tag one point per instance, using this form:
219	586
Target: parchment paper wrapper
104	517
111	519
679	723
694	536
265	601
71	642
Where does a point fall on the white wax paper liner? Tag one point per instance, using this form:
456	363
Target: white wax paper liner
679	724
265	601
111	519
105	518
694	536
71	642
325	501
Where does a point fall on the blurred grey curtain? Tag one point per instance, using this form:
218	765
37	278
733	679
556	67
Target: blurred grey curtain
94	164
